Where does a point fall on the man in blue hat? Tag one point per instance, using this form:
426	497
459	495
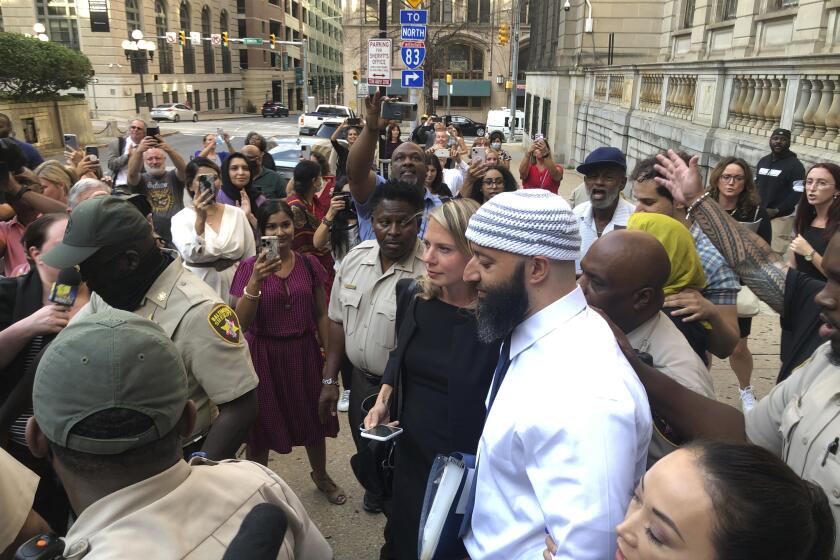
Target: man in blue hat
604	174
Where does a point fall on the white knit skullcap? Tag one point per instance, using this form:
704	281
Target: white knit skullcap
527	222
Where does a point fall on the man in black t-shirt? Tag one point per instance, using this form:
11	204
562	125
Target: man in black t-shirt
147	175
775	175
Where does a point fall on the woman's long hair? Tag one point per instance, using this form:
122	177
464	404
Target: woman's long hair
454	217
477	192
806	212
749	199
191	172
231	191
437	182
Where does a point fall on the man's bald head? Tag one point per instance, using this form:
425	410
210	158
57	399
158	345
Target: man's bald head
253	154
624	274
408	164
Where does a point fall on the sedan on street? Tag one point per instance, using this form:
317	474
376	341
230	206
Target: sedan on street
175	112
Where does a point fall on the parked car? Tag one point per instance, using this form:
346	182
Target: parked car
308	123
498	124
174	112
466	125
274	109
286	152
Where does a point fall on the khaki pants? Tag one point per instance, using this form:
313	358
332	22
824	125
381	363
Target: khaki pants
782	234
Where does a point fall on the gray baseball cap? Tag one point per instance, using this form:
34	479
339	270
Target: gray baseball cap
101	221
111	359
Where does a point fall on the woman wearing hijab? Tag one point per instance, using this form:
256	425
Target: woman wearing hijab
686	270
238	186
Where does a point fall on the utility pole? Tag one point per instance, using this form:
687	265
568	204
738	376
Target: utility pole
514	65
304	46
383	31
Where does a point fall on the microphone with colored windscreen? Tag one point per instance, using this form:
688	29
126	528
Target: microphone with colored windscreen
66	287
260	536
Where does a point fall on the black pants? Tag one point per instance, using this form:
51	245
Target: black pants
364	385
346	371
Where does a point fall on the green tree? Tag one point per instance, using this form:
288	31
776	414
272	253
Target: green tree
36	70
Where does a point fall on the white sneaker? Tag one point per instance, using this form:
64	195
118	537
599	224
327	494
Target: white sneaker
747	398
344	401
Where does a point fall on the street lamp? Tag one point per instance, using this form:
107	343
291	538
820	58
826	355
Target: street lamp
40	32
141	51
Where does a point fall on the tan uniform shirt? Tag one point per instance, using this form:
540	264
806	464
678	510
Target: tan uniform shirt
191	511
800	421
17	493
206	332
673	356
364	301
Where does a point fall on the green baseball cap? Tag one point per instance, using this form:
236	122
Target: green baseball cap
111	359
101	221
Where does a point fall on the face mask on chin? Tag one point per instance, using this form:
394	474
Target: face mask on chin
496	145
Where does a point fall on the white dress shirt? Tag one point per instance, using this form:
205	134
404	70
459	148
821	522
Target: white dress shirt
564	443
122	176
588	230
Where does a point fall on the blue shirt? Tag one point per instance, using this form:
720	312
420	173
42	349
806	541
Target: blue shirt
365	212
722	285
33	158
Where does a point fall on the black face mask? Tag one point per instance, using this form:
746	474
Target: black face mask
127	293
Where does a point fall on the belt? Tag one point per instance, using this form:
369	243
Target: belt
370	376
219	265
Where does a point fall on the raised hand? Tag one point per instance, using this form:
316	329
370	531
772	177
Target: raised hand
682	180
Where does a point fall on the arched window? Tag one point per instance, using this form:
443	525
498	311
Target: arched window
207	46
189	53
464	62
164	50
226	57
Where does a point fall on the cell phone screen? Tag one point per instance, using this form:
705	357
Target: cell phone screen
381	430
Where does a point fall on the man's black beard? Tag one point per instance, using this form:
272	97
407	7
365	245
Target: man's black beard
502	308
128	293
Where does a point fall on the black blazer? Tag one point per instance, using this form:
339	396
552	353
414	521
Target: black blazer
471	372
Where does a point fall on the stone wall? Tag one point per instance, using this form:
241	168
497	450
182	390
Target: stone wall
49	120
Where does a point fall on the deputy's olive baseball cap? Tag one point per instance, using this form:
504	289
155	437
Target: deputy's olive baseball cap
101	221
111	359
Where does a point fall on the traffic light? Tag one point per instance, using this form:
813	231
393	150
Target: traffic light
504	34
182	37
449	78
272	40
355	77
225	39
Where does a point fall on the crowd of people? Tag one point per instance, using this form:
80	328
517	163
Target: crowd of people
167	323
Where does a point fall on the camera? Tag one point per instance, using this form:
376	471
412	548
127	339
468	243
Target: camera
567	6
399	111
349	211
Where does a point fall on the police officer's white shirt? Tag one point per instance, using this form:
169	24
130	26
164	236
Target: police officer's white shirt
799	421
564	443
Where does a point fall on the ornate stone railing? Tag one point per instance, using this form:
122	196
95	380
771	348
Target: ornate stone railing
816	119
679	101
756	102
650	94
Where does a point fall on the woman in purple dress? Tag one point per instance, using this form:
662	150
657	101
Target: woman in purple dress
282	308
238	186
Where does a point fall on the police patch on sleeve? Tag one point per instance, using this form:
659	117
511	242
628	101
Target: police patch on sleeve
225	323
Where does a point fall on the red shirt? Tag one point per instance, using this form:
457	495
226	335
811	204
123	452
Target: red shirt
537	179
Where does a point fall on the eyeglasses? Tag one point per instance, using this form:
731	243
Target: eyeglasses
401	224
731	178
489	181
819	183
138	128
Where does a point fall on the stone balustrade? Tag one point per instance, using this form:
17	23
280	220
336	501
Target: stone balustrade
650	94
601	87
679	101
756	102
816	119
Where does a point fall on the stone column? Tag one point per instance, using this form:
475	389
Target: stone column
803	99
832	118
733	101
813	104
822	109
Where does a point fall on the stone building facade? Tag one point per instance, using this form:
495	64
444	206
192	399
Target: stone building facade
712	77
465	35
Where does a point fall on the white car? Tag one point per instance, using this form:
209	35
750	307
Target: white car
174	112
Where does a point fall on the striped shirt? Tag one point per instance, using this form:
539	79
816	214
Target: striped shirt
17	431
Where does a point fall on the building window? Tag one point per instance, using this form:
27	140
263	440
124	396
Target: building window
207	46
164	49
223	26
371	11
528	103
188	52
240	6
215	97
782	4
59	17
478	11
726	9
535	115
243	59
546	113
464	62
688	15
227	97
524	12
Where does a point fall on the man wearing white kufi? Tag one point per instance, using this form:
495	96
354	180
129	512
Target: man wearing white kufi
568	424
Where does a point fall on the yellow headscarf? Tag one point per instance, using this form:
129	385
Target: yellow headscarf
686	270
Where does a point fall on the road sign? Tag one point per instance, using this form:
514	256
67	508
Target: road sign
414	17
412	57
252	41
414	3
435	90
195	38
412	78
171	37
216	39
362	89
413	33
379	62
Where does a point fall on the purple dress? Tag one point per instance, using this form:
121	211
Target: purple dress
287	357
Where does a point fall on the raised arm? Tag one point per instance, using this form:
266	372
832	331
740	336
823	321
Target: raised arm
177	159
135	161
362	179
758	266
525	164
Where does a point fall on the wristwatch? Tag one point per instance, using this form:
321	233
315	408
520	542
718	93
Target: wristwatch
329	381
810	255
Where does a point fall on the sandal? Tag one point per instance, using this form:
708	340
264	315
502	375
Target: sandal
330	489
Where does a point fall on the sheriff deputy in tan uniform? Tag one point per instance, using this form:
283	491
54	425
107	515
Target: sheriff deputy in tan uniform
116	445
115	249
363	301
17	494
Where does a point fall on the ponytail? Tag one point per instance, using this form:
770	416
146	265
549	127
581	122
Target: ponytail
304	176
